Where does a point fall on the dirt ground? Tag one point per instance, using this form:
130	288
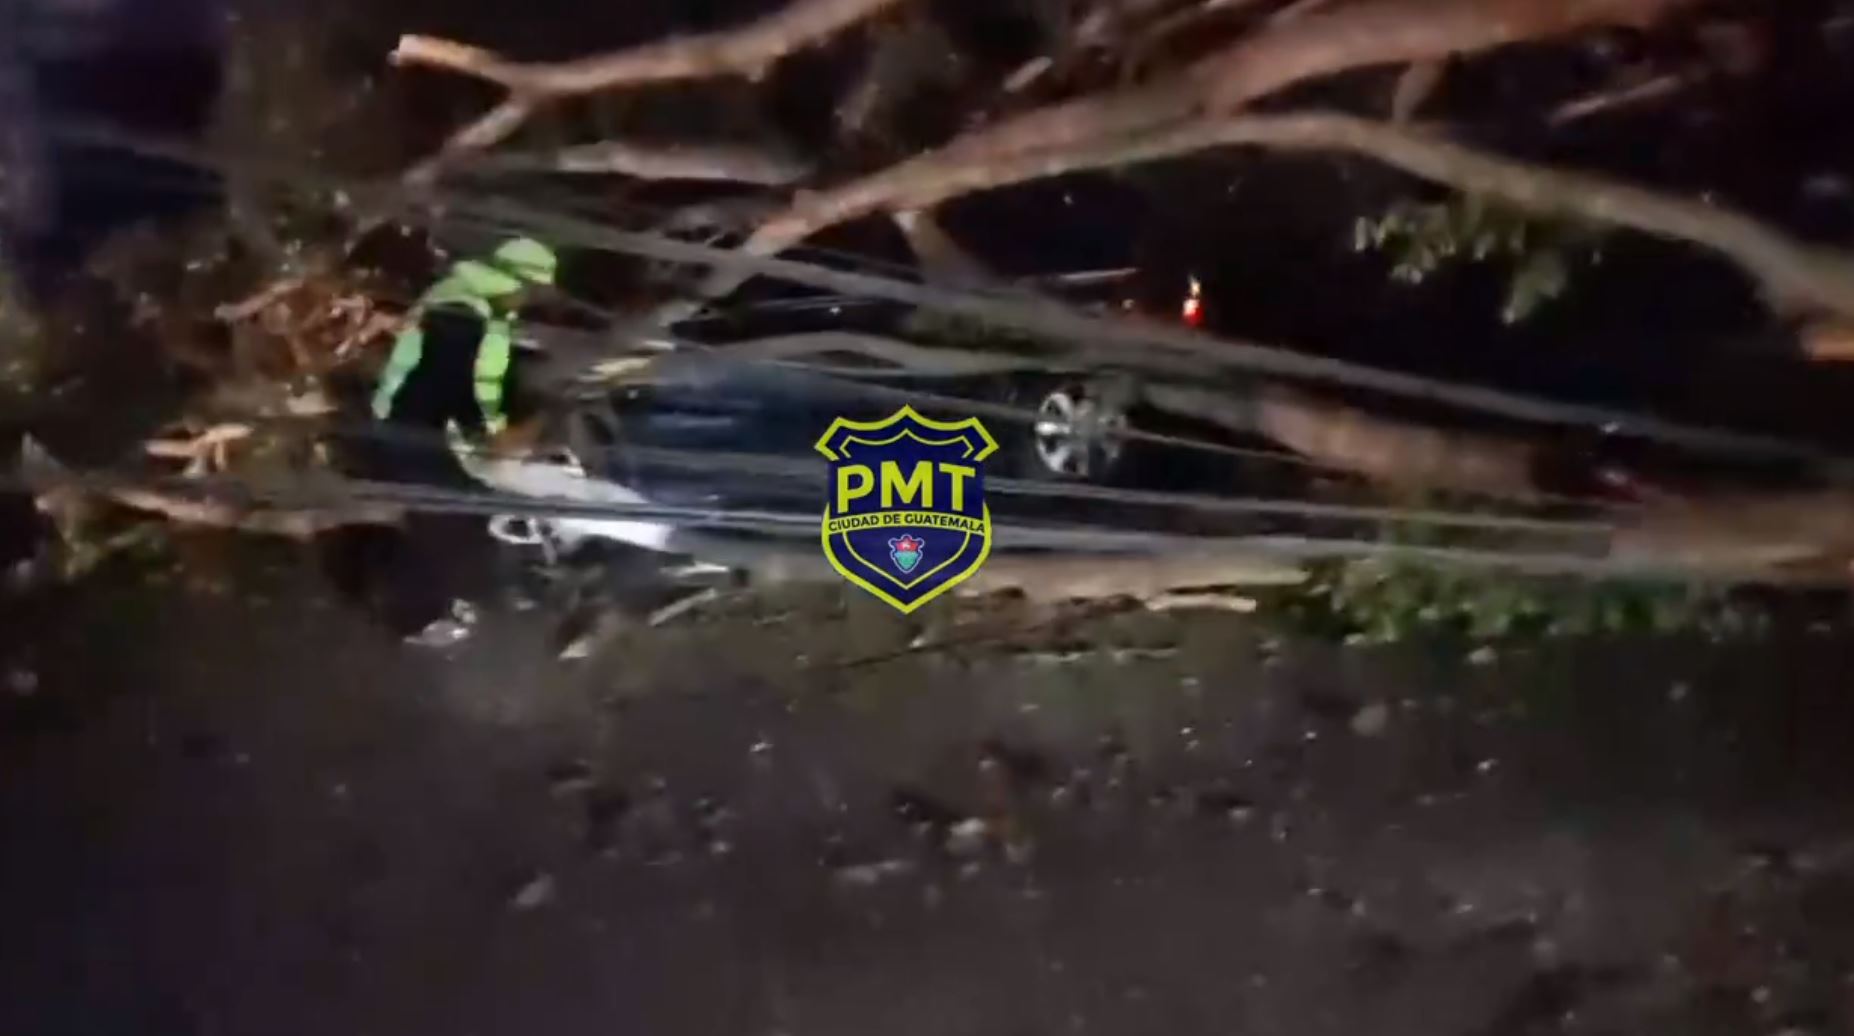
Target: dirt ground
244	808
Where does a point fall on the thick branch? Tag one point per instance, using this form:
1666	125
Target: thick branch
1398	453
1034	145
1391	452
718	162
942	259
1415	87
1360	35
1394	31
1141	50
493	127
1793	272
746	50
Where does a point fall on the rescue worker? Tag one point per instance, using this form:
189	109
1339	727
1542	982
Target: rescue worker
452	371
449	385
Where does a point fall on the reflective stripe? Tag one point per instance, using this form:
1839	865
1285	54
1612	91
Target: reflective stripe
492	367
409	347
408	350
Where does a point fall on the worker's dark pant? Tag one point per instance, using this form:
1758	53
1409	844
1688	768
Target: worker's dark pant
410	575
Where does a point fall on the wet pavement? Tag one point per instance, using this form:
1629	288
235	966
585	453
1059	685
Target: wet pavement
240	807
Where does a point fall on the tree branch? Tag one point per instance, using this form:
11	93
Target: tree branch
746	50
1359	35
1148	42
495	126
1630	96
1791	271
1398	453
942	259
717	162
1040	143
1415	87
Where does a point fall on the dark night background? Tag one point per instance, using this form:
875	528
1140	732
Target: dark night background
229	803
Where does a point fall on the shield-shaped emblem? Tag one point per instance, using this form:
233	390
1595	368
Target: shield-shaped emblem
905	517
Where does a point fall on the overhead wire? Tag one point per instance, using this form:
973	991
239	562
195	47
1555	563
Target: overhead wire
795	525
1026	313
758	463
978	407
1032	315
1041	317
1200	502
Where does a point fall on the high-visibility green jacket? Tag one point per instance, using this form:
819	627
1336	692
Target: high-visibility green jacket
478	288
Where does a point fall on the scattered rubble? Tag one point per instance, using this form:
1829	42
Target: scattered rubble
449	631
1372	720
536	892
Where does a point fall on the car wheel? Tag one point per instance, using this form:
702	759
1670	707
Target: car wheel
1080	432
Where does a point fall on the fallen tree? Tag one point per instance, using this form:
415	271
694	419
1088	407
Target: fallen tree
1175	114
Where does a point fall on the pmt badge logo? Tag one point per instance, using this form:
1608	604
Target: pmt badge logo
906	519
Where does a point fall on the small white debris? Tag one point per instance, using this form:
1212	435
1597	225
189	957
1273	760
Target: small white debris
677	609
1483	655
537	892
1371	720
1203	601
23	682
578	650
574	778
448	631
967	838
865	875
1679	692
1019	851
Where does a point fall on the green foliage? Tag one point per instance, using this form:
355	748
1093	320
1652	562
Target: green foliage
1379	601
1421	239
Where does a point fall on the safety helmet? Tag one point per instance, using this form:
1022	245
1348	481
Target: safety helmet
529	260
513	266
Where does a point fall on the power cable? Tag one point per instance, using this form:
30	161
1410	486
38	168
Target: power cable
1039	317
